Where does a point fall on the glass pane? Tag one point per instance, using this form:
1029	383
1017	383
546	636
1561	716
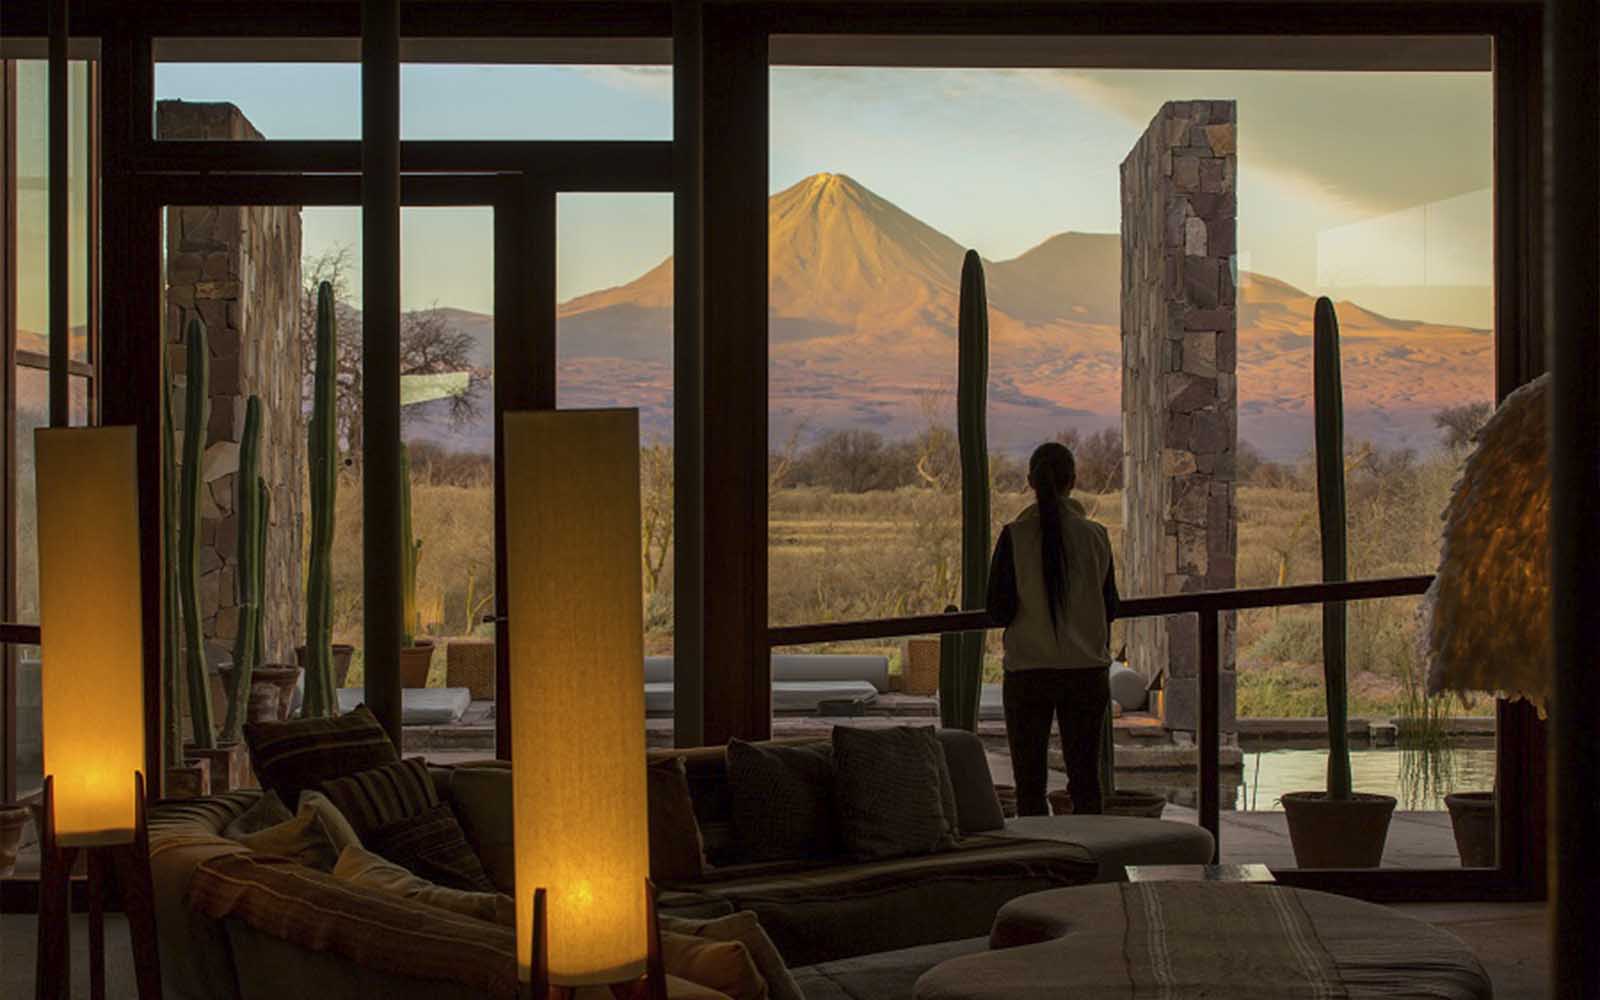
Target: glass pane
866	249
614	348
33	388
283	96
33	211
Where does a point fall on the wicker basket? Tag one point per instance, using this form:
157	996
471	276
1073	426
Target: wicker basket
919	668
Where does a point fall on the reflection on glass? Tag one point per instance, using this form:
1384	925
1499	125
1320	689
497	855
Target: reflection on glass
614	348
33	212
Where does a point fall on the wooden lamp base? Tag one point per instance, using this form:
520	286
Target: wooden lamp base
650	986
126	866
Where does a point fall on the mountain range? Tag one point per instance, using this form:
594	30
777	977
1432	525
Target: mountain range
863	299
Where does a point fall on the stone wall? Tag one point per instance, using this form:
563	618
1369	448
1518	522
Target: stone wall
1179	397
239	267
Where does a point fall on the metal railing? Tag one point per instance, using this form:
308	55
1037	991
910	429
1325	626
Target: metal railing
1208	606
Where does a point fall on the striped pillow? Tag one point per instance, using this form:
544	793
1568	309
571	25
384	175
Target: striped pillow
374	799
301	753
433	846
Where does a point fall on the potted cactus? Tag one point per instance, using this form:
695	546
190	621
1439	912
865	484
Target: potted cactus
961	655
227	758
416	654
324	665
1337	827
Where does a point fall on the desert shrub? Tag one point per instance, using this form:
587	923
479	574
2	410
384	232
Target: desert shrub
1295	636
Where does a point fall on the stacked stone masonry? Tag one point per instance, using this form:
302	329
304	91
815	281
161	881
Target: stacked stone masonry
1179	393
238	267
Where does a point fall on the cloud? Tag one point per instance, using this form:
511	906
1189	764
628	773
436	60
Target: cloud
1374	142
653	80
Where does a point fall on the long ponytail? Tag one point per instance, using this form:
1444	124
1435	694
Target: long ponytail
1052	470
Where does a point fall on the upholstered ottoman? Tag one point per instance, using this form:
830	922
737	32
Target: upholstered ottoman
1237	940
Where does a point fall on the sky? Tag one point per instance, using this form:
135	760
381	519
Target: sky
1372	187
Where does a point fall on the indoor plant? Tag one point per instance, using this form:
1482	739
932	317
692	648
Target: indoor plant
961	654
1338	827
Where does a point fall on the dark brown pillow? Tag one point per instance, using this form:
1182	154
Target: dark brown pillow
894	792
782	800
677	854
383	795
432	845
303	753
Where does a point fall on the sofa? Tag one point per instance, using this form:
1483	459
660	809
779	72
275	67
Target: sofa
817	910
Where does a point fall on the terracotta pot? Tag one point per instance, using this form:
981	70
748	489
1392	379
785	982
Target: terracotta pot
1328	833
414	664
342	652
1472	817
1060	802
276	683
12	820
1123	802
230	765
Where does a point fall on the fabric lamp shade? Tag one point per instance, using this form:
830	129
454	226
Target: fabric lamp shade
1488	610
90	617
576	644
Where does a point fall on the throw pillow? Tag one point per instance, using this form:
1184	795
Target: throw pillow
302	753
383	795
338	828
481	798
365	868
782	800
268	810
432	845
894	792
745	928
677	854
725	966
977	802
302	839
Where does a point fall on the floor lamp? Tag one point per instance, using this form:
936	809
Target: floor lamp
575	628
92	680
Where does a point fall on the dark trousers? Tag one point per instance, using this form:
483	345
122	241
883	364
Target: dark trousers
1079	699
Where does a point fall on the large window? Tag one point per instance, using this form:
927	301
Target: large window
24	277
1372	188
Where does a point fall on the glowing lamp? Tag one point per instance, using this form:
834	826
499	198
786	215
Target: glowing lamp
575	629
92	664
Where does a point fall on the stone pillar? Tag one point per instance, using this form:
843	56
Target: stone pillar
1179	398
239	268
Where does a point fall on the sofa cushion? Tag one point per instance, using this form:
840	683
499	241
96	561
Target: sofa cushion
782	799
266	811
303	838
745	929
836	911
977	802
376	930
480	794
888	975
893	792
365	868
677	853
725	966
303	753
432	845
1118	841
382	796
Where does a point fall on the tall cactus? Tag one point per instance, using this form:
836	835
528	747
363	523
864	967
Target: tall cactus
196	417
1329	394
264	510
410	556
961	667
322	458
249	571
172	617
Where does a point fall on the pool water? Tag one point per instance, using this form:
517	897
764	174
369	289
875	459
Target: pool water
1418	779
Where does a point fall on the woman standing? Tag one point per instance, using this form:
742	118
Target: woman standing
1053	586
